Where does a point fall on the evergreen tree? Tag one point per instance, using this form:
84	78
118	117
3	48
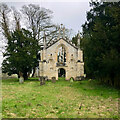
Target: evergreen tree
101	43
20	54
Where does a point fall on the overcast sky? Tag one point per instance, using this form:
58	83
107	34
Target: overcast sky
71	13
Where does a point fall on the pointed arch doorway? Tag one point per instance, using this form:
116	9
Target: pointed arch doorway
61	72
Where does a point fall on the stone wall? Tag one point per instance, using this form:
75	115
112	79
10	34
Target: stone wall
73	68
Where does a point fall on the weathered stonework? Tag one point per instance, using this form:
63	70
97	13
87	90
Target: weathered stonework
69	61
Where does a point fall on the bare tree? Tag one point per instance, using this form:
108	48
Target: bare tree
38	19
4	21
17	18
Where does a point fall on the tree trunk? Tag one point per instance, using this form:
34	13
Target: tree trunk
33	72
25	76
28	74
18	75
21	79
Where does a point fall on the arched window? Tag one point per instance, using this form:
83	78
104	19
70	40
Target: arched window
61	55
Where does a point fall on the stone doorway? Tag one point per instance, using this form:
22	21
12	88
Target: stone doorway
61	72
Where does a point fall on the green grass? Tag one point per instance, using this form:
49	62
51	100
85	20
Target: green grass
58	100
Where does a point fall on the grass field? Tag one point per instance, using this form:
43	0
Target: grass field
63	99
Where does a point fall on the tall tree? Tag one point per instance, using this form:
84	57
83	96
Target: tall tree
20	54
4	19
101	42
39	19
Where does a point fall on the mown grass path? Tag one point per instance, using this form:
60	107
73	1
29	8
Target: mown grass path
63	99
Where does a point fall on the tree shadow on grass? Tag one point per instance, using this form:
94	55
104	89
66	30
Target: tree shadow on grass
32	79
93	88
10	80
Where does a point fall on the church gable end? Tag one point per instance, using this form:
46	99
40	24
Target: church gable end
60	59
67	41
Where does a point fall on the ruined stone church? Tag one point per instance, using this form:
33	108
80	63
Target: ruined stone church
61	58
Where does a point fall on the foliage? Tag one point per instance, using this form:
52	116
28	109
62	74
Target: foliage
101	43
58	100
74	39
20	53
